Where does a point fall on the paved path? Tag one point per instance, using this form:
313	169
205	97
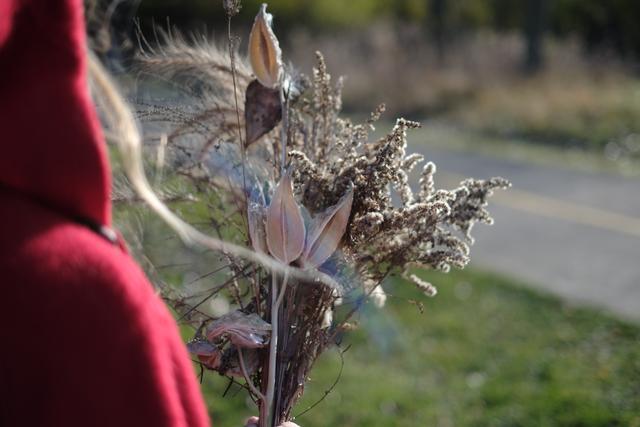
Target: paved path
574	234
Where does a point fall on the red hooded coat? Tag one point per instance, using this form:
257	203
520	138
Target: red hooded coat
85	340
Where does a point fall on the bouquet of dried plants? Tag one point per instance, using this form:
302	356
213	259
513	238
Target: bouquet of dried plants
298	205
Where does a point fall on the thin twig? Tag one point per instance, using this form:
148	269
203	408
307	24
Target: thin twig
205	275
243	368
213	292
235	97
330	389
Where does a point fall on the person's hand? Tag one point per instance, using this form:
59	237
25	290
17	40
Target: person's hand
254	422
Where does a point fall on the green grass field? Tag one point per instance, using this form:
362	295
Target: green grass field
485	352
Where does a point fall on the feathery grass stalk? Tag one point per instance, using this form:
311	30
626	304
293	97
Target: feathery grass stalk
125	133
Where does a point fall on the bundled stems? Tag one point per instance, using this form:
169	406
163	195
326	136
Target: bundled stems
342	178
277	296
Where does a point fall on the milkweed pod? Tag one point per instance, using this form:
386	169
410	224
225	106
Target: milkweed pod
262	111
202	348
326	231
285	226
264	50
243	330
251	363
208	354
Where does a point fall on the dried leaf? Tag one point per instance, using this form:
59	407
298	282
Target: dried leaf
251	363
264	50
208	354
262	111
201	348
243	330
285	225
326	232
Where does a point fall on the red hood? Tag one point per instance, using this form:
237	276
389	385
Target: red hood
52	146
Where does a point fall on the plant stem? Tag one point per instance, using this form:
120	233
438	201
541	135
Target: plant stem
232	59
243	368
276	301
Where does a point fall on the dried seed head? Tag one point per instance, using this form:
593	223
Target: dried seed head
285	226
427	288
231	6
264	50
378	296
327	318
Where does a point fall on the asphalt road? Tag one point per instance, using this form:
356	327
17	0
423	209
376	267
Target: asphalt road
571	233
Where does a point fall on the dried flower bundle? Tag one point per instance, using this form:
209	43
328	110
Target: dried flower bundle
304	195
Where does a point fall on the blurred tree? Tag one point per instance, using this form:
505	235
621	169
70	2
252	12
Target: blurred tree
506	14
534	28
610	24
438	24
411	10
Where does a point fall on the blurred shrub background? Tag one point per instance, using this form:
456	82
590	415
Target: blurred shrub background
560	72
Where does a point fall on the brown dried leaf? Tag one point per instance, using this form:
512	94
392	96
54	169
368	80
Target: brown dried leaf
208	354
202	348
326	232
264	50
262	111
243	330
285	226
251	363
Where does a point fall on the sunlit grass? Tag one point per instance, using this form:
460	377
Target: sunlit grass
579	111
